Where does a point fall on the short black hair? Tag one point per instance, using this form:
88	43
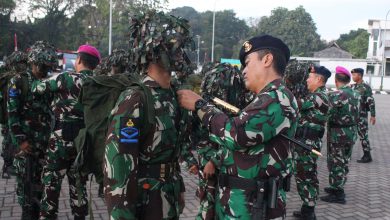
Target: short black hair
279	60
323	78
343	78
88	60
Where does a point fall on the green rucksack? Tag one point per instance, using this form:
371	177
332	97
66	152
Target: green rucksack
98	96
4	81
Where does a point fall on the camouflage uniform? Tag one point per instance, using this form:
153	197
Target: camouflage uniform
311	127
29	120
61	153
141	172
342	134
17	63
367	103
251	148
225	82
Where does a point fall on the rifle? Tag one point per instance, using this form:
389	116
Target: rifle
236	110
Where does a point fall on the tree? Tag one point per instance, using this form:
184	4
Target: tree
296	28
7	6
355	42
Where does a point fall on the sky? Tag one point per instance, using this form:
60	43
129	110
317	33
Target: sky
332	17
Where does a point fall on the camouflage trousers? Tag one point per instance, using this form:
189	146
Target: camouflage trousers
35	184
305	172
206	193
362	129
8	149
338	157
60	156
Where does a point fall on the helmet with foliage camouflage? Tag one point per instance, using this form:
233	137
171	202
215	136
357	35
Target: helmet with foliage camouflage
207	67
119	58
15	58
295	77
102	68
224	82
41	52
157	37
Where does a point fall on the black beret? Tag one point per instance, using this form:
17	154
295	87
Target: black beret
320	70
263	42
357	70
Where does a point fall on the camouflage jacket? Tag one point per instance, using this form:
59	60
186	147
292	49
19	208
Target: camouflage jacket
367	102
251	147
29	117
314	115
129	147
66	88
343	115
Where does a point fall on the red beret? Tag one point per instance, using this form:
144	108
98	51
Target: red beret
88	49
342	70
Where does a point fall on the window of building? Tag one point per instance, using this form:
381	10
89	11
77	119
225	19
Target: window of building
375	34
375	48
370	69
387	73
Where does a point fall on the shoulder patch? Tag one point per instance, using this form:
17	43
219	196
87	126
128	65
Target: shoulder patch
128	132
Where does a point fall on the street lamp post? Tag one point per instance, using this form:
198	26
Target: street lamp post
110	30
212	39
197	61
384	51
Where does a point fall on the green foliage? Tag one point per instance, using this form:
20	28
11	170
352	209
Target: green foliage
296	28
355	42
7	6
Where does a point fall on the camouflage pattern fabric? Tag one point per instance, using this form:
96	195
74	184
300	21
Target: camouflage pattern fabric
102	68
226	83
17	61
314	115
342	133
61	153
155	36
42	52
251	148
29	120
295	78
367	103
129	148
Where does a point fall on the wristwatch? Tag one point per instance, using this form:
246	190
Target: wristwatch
199	104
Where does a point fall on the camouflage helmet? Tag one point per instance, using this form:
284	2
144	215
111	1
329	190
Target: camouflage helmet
103	68
207	67
16	57
119	58
41	52
224	82
155	36
295	77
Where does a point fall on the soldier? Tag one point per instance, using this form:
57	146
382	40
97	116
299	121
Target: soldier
119	61
311	127
69	119
367	103
226	83
342	133
102	68
141	172
17	63
256	158
29	122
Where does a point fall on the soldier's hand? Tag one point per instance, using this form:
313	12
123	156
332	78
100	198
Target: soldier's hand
209	170
25	147
187	99
193	170
372	120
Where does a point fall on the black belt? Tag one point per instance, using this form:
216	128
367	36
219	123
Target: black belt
163	170
237	182
309	133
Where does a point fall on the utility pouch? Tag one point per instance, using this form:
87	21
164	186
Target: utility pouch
272	192
258	210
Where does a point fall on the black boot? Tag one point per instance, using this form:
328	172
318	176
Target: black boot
100	190
306	213
79	217
329	190
337	196
366	157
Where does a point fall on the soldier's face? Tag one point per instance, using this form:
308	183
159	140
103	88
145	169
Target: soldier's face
312	82
356	77
254	72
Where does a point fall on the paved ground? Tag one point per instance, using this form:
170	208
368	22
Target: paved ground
367	188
